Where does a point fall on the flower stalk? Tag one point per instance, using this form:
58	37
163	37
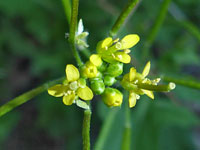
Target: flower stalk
126	140
21	99
123	16
86	129
72	31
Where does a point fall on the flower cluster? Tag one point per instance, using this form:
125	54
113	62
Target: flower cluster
102	71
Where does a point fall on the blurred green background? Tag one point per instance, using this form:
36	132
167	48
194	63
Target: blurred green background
33	50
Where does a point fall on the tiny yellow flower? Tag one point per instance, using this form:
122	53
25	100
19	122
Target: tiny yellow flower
72	88
131	81
89	70
116	51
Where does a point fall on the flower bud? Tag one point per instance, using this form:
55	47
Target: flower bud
89	70
112	97
115	69
103	67
108	80
97	86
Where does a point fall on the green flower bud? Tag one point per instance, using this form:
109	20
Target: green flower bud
108	80
112	97
115	69
103	67
97	85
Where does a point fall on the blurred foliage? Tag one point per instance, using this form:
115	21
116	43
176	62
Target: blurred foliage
33	50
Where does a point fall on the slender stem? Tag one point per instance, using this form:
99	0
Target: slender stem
67	8
72	31
126	141
182	20
19	100
157	88
194	30
123	16
155	28
107	125
86	129
185	82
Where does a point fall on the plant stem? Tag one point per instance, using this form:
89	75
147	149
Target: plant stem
72	31
157	88
19	100
126	141
123	16
107	125
86	129
185	82
155	28
67	8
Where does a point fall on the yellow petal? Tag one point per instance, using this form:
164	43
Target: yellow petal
146	69
106	42
149	93
56	90
122	57
103	45
72	73
132	99
95	60
69	99
129	41
132	74
85	93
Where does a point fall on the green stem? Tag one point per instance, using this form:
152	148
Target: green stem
67	8
123	16
194	30
86	129
155	28
126	141
72	31
185	82
107	125
157	88
19	100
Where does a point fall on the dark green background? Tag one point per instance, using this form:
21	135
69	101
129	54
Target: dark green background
33	50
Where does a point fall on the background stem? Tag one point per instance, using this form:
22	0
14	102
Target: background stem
185	82
108	122
19	100
86	129
155	28
67	8
123	16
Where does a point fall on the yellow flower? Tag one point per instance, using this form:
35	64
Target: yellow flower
133	80
72	88
114	50
89	70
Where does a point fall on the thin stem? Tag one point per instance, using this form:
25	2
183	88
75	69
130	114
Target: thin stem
86	129
67	8
157	88
107	125
123	16
155	28
19	100
126	141
182	20
72	31
185	82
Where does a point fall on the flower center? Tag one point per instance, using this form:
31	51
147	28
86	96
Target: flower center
73	85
